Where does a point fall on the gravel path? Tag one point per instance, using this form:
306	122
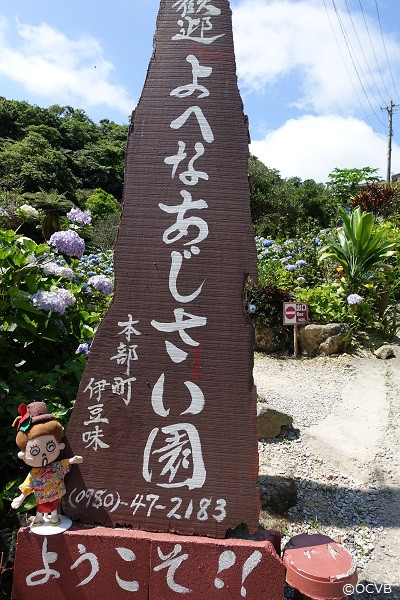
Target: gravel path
303	490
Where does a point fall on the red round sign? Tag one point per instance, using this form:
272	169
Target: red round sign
290	312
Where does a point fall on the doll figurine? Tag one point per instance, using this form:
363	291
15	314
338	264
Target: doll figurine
39	440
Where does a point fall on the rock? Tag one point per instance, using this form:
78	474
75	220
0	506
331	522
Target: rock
270	421
385	352
264	337
332	345
312	336
268	339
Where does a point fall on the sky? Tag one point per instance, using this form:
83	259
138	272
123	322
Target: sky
316	76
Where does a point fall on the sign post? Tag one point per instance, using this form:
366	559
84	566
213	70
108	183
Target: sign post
295	313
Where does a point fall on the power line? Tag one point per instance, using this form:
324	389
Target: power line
345	64
384	45
373	49
363	53
352	60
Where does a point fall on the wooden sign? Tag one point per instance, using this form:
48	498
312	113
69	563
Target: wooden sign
166	412
295	313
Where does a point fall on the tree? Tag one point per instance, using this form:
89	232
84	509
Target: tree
31	164
282	207
343	184
80	155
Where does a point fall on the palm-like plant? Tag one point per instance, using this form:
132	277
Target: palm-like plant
359	249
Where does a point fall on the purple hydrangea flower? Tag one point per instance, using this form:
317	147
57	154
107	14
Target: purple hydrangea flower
354	299
84	348
301	263
48	301
290	267
301	279
284	260
82	217
52	268
55	301
102	284
68	242
67	296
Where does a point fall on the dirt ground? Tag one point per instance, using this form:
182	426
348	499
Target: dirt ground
346	412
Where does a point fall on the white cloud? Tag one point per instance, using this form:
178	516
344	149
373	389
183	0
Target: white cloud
50	65
277	38
311	147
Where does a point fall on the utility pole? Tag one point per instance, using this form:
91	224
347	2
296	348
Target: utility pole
389	110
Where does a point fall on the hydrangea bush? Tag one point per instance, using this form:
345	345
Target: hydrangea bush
53	296
292	262
295	265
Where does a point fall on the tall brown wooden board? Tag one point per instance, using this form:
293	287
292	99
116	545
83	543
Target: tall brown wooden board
166	412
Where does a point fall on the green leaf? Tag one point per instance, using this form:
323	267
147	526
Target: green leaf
25	305
31	283
4	386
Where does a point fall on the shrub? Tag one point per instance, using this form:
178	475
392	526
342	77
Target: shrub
47	310
290	263
359	249
265	305
102	204
381	199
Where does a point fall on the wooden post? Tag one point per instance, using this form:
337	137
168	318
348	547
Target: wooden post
295	342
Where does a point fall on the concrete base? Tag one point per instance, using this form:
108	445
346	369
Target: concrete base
86	563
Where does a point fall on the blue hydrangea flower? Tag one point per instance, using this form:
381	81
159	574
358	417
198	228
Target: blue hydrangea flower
284	260
354	299
301	263
84	348
68	242
102	284
75	215
52	268
267	243
48	301
67	296
251	308
290	267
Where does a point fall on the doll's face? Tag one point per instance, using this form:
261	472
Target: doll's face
41	451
